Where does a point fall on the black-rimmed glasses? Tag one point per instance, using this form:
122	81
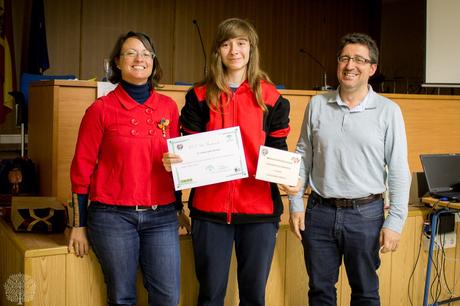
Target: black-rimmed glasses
357	59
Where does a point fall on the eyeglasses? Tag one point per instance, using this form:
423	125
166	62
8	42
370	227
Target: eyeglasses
131	53
357	59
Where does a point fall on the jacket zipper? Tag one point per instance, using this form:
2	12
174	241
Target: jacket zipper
232	184
230	203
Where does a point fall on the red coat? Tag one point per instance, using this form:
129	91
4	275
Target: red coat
245	200
119	149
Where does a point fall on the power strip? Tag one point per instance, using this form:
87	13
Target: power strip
447	240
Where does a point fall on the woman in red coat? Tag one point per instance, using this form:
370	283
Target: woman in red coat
131	220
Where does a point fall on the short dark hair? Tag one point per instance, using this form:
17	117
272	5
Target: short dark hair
157	73
362	39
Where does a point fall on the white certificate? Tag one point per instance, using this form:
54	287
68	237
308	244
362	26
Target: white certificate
208	158
278	166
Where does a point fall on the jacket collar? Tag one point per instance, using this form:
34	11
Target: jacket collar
129	103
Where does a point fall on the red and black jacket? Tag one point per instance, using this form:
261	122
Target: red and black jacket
245	200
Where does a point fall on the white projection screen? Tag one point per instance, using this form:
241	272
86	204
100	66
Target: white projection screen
442	58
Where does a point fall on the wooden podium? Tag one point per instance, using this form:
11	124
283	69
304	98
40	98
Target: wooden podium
55	111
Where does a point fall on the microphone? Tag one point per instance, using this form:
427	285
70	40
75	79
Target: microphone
202	47
325	86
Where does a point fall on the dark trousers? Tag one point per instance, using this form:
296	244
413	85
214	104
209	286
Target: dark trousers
254	246
352	234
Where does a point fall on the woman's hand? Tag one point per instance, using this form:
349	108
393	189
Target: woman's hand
170	158
78	241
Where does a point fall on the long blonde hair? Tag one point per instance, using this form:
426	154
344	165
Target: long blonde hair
215	79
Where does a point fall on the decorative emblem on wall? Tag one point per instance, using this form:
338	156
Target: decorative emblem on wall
19	288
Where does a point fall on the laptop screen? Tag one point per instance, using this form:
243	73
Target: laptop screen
442	171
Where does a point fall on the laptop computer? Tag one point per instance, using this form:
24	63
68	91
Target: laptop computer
442	172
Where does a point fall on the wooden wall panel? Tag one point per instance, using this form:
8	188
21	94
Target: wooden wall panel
385	272
343	291
189	283
418	280
47	272
296	273
283	28
64	132
63	36
103	21
298	102
398	64
11	262
277	276
188	56
81	33
42	147
398	279
84	275
434	131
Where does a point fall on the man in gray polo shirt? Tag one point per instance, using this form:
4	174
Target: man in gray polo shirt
352	141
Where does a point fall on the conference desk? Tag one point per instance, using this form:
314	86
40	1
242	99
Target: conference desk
55	111
439	208
64	280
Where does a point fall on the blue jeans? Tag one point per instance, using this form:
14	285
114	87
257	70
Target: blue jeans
124	239
352	233
212	246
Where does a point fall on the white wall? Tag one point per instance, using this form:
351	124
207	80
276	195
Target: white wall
442	62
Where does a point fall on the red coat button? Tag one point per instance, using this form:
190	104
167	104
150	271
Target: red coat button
134	121
134	132
150	121
151	132
148	111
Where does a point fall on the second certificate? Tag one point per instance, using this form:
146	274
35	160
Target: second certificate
208	158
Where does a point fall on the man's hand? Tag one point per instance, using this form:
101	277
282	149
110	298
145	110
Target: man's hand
389	240
291	190
170	158
297	223
78	242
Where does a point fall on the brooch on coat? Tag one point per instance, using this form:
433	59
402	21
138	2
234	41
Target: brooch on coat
163	124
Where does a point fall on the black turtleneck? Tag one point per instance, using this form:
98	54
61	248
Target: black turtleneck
140	93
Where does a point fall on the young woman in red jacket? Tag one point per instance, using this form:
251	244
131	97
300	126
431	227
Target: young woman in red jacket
244	212
131	221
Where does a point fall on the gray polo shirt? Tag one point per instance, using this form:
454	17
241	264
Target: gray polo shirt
351	153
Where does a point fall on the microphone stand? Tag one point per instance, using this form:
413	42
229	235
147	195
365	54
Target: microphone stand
202	47
325	86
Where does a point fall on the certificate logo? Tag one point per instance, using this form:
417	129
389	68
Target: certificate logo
180	146
264	152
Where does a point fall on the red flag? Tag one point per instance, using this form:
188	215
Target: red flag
7	66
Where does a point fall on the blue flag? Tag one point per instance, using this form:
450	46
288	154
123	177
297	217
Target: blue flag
38	60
